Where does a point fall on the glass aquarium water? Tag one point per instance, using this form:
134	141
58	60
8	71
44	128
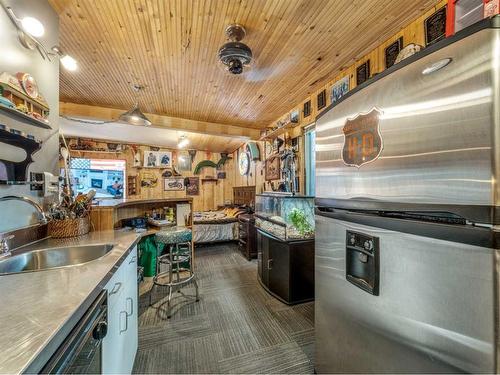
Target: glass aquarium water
286	216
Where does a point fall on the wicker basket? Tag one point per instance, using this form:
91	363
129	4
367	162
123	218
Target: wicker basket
69	227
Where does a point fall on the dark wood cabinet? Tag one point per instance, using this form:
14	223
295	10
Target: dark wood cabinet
247	236
244	195
286	268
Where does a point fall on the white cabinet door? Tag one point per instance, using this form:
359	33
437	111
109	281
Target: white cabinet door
120	344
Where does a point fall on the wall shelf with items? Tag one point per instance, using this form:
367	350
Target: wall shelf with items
24	117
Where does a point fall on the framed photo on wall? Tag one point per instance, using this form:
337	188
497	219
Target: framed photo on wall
151	159
339	89
272	169
173	184
192	185
165	158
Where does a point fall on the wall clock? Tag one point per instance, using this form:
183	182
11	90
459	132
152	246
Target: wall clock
244	163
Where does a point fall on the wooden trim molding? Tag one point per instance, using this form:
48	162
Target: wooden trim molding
161	121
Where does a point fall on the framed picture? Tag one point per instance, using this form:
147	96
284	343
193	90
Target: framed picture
151	159
184	161
339	89
321	100
165	158
173	184
272	169
363	72
294	116
221	175
192	185
307	109
435	27
392	51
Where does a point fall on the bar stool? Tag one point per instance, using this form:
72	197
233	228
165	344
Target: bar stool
177	241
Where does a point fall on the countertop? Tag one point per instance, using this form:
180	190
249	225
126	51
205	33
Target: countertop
38	309
117	203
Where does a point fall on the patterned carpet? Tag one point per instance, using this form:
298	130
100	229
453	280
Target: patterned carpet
236	327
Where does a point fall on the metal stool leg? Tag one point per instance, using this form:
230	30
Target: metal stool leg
169	304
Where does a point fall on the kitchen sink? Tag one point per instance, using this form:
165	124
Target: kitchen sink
47	259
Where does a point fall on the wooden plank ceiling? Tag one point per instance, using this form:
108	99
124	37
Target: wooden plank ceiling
171	47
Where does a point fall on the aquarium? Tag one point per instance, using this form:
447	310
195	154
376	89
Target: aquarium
285	216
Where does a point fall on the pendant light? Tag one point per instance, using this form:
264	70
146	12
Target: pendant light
135	116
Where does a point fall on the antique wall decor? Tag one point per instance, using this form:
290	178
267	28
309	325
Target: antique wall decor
192	185
362	139
339	89
184	161
151	159
307	109
321	100
435	27
391	52
408	51
363	72
244	163
272	168
173	184
294	116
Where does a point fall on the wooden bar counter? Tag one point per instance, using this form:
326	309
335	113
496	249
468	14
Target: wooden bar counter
107	214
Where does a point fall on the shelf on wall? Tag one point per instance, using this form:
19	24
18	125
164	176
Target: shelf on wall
95	151
25	118
209	180
276	133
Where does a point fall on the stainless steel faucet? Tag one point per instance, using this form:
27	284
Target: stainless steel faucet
41	213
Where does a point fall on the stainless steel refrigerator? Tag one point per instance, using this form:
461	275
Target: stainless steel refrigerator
407	259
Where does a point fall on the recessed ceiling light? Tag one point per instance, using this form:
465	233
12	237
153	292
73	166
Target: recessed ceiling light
434	67
33	27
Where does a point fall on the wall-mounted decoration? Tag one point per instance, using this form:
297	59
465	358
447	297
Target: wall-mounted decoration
294	143
221	175
192	153
435	26
268	149
339	89
244	163
173	184
210	164
148	180
165	159
272	168
294	116
363	72
408	51
137	156
253	149
278	142
192	185
307	109
184	161
151	159
391	52
20	96
321	100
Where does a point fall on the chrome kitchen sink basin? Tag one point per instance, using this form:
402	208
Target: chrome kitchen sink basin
46	259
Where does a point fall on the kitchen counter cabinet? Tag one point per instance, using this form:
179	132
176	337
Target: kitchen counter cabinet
120	344
286	268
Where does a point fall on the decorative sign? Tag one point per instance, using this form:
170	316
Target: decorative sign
272	170
192	185
392	51
362	139
362	72
244	163
173	184
321	99
339	89
491	8
307	108
435	27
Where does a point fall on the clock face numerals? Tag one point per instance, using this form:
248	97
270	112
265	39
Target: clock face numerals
244	163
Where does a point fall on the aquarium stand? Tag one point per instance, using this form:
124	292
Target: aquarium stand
286	268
